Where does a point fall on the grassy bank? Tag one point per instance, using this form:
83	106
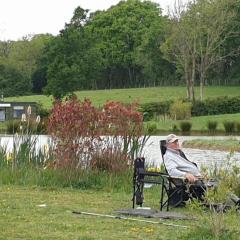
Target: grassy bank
44	213
146	95
142	95
30	175
198	123
222	145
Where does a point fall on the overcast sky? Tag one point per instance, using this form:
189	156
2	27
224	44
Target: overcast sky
21	17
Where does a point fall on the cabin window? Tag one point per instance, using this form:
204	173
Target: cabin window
18	111
2	115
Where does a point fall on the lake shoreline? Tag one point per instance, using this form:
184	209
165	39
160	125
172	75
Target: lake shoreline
217	145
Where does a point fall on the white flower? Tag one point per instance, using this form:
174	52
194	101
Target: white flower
24	118
29	110
38	119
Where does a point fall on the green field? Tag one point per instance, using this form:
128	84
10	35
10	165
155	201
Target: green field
198	123
44	213
145	95
142	95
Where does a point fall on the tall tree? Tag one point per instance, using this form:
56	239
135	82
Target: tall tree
197	36
69	57
129	35
13	82
180	45
214	21
23	56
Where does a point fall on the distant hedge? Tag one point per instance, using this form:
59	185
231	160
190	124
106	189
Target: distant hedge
220	105
155	108
215	106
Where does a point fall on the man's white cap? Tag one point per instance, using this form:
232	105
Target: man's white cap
171	138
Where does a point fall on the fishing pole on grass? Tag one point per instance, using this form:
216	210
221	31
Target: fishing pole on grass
127	218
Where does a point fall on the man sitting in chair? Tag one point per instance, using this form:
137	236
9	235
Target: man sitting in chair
178	166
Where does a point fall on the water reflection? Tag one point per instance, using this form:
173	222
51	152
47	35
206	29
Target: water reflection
152	149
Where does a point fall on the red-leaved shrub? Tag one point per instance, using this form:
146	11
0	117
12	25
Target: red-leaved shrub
85	136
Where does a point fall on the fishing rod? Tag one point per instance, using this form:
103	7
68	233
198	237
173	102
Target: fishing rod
127	218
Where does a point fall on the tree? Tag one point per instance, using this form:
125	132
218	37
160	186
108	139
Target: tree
23	56
69	57
214	23
226	72
129	35
180	46
39	71
13	82
197	35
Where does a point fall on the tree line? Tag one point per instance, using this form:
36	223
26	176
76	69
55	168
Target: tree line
132	44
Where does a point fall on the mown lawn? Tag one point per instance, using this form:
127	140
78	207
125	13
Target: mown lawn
23	218
198	123
142	95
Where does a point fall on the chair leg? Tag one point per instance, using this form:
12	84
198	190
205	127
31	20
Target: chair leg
137	194
133	198
162	195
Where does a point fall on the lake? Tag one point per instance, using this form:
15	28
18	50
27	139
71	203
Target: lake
152	149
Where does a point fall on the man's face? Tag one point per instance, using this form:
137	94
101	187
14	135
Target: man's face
175	145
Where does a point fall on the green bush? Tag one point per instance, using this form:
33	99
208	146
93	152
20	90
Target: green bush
41	111
185	126
229	126
180	110
213	106
13	126
220	105
147	116
151	128
175	128
155	108
238	126
212	126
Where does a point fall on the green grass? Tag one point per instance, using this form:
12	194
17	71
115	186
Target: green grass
23	218
145	95
41	99
198	123
38	204
231	144
30	175
142	95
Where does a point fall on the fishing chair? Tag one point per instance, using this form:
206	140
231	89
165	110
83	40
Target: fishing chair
141	176
174	192
179	190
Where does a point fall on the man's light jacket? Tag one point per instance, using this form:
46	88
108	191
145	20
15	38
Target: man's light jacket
177	166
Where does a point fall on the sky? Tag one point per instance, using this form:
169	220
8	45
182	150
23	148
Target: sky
19	18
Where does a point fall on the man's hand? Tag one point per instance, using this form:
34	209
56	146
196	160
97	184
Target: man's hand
190	178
